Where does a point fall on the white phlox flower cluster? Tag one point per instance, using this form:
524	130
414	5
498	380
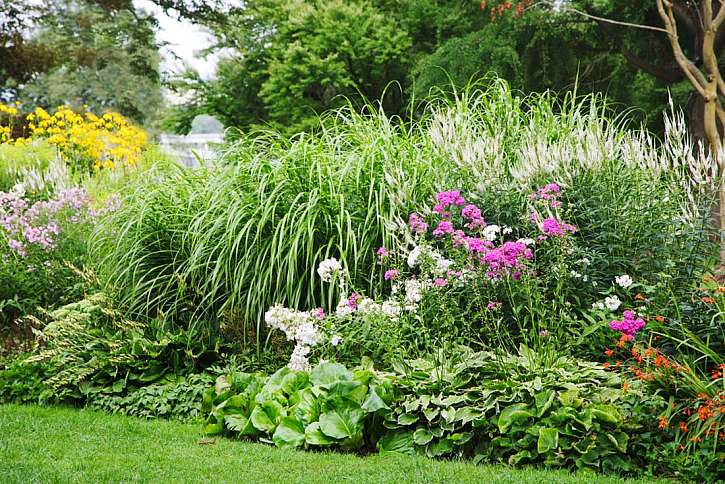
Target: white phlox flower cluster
328	268
298	326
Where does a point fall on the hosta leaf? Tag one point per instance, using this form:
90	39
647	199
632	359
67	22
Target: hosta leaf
515	413
460	438
431	413
518	457
620	440
289	433
397	442
548	440
407	419
422	436
314	436
606	413
326	374
543	401
443	446
374	403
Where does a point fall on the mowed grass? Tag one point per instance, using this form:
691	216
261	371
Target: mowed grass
50	444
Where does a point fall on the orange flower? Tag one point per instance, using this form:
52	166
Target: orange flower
639	297
625	387
663	423
606	364
660	319
720	290
608	352
707	300
683	427
716	374
696	439
704	412
618	363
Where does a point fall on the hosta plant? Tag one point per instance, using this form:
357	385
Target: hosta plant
514	409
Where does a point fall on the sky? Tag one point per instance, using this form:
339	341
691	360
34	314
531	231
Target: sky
184	40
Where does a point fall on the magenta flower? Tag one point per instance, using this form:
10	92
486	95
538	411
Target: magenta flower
390	274
553	227
446	199
439	282
417	224
319	314
629	325
352	301
443	228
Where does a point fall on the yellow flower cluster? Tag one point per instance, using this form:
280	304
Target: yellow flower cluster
84	140
107	141
7	117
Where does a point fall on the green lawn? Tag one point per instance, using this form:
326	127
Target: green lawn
41	444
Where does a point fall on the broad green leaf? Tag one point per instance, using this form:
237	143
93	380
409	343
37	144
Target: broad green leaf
213	428
407	419
326	374
443	446
294	381
262	421
518	457
548	440
606	413
344	422
307	408
397	442
345	388
314	436
274	382
236	422
422	436
620	440
431	413
289	433
374	403
460	438
510	415
544	400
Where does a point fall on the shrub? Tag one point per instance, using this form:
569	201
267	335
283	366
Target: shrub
87	349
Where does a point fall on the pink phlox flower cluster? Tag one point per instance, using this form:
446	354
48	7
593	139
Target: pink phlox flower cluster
390	274
507	258
443	228
448	199
417	224
493	305
319	314
439	282
476	245
352	301
629	325
554	228
549	193
473	216
35	225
